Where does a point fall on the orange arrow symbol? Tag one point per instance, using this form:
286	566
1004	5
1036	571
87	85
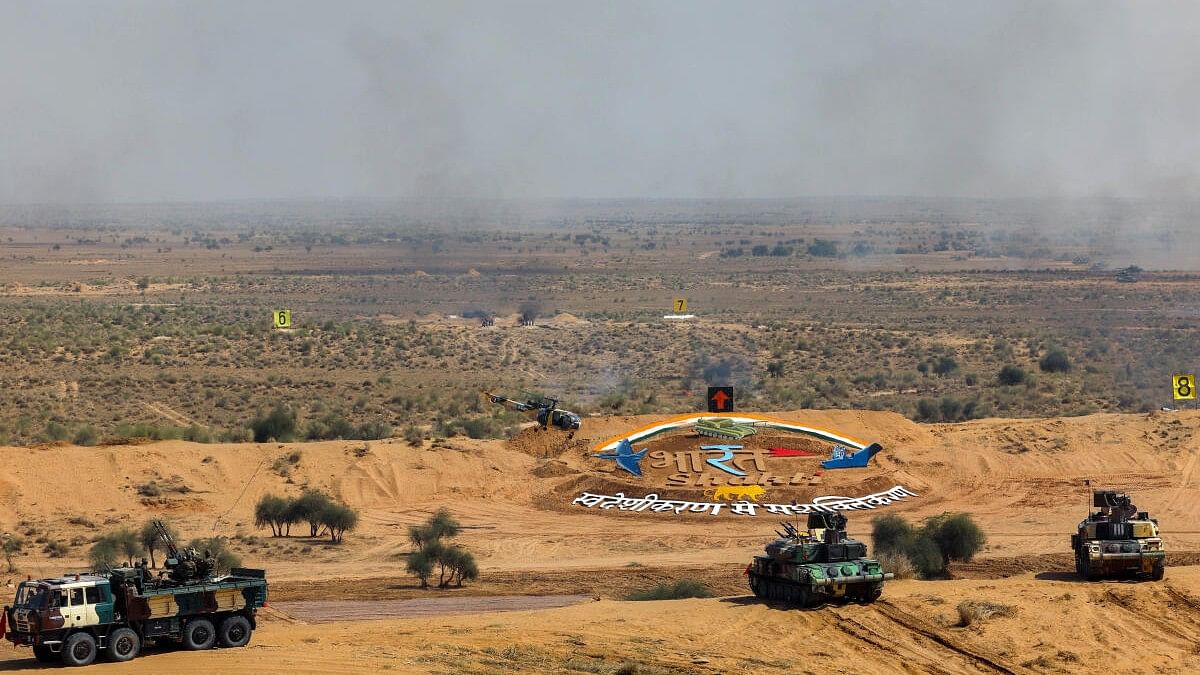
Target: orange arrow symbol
721	398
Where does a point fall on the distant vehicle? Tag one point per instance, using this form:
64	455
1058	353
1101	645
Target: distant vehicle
70	619
806	567
1118	539
723	427
1129	274
546	410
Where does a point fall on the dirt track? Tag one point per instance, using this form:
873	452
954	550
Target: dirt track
324	611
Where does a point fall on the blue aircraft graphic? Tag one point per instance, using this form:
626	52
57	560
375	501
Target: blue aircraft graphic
625	457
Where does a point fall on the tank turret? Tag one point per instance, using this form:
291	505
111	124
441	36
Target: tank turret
804	567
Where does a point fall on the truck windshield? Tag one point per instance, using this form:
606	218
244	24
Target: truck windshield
31	595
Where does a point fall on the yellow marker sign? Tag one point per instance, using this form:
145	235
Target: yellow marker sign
680	305
1184	387
282	318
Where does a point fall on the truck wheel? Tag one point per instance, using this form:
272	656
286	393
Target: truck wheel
234	632
199	634
123	645
42	653
1159	571
79	650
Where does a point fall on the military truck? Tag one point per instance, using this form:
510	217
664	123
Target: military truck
1118	539
806	567
70	619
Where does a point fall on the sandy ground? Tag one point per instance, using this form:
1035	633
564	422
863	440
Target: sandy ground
1022	479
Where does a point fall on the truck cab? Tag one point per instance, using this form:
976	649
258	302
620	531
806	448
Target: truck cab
45	611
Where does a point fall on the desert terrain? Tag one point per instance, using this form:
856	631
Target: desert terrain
1021	479
987	347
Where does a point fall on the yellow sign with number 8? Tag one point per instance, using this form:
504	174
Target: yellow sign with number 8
1184	387
281	318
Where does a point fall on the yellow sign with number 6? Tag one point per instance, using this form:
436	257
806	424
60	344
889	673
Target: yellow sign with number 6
281	318
680	305
1184	387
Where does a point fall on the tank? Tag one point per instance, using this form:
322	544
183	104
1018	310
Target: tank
1118	540
723	427
808	567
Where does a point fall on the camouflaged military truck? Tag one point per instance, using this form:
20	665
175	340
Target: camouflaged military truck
74	617
1118	539
806	567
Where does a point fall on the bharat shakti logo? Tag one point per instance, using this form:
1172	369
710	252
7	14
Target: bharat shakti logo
717	464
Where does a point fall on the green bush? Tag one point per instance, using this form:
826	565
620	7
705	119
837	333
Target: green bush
683	588
1011	375
86	436
890	534
279	424
1055	361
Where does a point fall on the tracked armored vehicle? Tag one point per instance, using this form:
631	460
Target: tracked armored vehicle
723	427
807	567
1118	540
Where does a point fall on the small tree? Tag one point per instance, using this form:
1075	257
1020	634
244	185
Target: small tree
309	507
891	533
12	546
103	554
218	548
1055	361
957	536
152	542
420	565
337	520
269	511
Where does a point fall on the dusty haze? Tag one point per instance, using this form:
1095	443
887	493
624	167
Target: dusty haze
153	101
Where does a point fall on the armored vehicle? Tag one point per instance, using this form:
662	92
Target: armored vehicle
1118	539
70	619
723	427
806	567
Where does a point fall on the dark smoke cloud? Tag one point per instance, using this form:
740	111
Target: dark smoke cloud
159	101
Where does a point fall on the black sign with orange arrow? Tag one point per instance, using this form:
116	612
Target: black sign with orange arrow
720	399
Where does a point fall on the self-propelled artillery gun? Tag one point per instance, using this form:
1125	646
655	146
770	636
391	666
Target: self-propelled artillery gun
72	618
806	567
1117	539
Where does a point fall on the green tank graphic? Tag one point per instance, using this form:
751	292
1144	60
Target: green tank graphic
805	568
723	427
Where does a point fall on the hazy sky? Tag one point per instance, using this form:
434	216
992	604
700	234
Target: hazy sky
167	101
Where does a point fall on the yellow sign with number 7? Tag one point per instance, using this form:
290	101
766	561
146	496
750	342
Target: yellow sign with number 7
1184	387
281	318
680	305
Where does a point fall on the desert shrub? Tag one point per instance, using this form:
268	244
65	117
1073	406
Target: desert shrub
944	366
86	436
103	554
1011	375
413	435
150	489
217	547
971	611
925	557
420	565
928	411
891	534
683	588
1055	361
897	563
957	536
55	549
279	424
